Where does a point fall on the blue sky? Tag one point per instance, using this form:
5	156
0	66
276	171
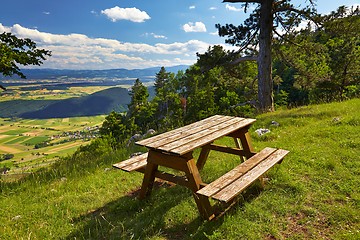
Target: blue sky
93	34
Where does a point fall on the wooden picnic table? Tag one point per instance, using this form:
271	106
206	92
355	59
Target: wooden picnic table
174	149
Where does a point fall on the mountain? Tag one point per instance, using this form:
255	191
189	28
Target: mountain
102	102
146	74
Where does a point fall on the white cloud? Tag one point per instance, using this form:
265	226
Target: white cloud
216	33
78	51
232	8
4	29
158	36
194	27
132	14
212	8
192	7
46	13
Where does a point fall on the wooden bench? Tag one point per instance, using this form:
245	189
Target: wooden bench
237	180
137	163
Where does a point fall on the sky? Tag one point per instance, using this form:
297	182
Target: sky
93	34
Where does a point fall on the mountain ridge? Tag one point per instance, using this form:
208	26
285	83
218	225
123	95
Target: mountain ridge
118	73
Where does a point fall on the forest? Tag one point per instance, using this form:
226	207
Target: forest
317	64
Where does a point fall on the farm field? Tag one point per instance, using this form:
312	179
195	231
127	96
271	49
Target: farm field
30	144
18	92
37	143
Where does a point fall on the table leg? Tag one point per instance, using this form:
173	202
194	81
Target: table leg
245	139
202	202
238	145
202	157
246	143
149	177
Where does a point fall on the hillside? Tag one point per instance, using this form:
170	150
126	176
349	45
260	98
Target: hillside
102	102
313	194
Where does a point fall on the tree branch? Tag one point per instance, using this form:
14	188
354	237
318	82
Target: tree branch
246	1
300	12
243	59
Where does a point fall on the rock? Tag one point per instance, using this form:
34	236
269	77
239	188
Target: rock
134	138
274	123
150	132
262	131
135	154
16	218
336	119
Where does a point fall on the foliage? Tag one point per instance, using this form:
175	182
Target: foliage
213	87
140	111
254	38
321	64
6	156
117	127
16	51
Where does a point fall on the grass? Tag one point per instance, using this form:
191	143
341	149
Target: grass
313	194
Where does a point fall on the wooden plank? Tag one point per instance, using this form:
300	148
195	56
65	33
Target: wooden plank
186	128
135	166
200	134
235	173
132	163
170	161
248	178
181	133
207	136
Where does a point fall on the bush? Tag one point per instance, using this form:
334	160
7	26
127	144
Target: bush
6	156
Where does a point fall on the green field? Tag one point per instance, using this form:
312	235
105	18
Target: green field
19	136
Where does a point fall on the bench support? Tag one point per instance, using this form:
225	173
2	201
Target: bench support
231	184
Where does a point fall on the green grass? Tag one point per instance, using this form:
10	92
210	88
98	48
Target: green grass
15	132
36	140
313	194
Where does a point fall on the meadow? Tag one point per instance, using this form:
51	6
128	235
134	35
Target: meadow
313	194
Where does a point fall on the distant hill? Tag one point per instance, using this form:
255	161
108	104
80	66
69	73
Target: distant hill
102	102
146	74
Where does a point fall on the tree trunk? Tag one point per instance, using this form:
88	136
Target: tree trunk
265	84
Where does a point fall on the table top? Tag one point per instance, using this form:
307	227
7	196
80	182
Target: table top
185	139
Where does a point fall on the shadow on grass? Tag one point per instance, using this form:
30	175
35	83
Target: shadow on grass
131	218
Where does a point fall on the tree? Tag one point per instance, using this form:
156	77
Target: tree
139	94
340	34
321	64
258	30
16	51
115	125
167	101
140	110
211	86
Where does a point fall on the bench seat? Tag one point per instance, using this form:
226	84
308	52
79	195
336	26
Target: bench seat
132	164
237	180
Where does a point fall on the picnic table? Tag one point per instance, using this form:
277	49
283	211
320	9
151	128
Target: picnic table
174	150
